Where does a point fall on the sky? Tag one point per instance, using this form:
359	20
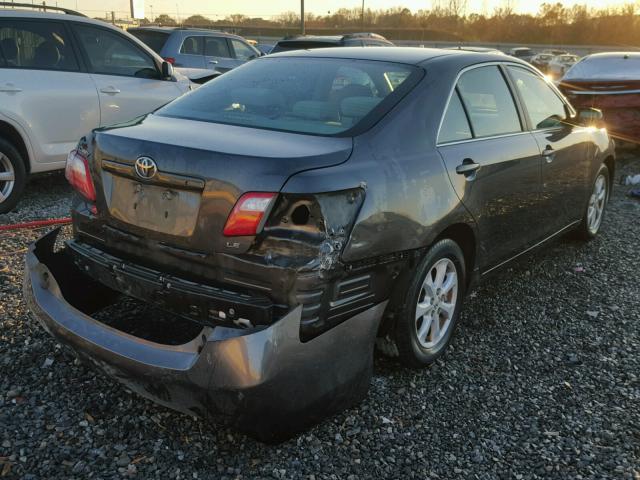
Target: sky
268	8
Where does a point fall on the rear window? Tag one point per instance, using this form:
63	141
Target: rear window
319	96
154	40
606	68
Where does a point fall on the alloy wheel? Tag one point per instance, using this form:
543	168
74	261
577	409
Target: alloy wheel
597	202
436	303
7	177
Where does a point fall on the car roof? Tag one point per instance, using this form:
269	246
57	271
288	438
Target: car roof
614	55
408	55
157	28
13	13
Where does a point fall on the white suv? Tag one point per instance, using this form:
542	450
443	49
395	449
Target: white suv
62	76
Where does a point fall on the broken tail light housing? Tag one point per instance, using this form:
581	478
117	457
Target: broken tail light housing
247	214
78	175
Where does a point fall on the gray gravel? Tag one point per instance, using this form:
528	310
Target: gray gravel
542	382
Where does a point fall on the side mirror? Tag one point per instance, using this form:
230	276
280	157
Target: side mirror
590	117
167	70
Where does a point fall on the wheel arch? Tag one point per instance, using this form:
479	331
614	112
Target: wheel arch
464	236
11	134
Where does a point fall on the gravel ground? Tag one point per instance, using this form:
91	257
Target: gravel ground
542	381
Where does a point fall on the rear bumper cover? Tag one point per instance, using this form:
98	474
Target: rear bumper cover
266	383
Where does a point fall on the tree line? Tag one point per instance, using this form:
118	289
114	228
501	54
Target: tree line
449	20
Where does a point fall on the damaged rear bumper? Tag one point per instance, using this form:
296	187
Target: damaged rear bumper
266	383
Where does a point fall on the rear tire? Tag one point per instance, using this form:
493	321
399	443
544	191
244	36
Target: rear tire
596	207
432	305
13	176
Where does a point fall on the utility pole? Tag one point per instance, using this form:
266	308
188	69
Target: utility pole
302	16
362	14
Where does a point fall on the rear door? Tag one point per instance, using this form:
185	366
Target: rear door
43	89
126	76
191	54
217	54
493	163
565	150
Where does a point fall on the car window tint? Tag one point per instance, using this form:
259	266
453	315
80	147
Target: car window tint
489	103
543	105
216	47
243	52
192	46
321	96
37	45
113	54
455	125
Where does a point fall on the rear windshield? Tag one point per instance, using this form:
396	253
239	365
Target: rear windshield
606	68
319	96
154	40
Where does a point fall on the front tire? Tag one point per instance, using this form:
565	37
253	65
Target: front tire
13	176
432	305
594	213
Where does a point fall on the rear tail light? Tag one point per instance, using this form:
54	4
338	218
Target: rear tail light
247	214
170	60
78	175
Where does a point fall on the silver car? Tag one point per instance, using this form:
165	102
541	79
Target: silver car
197	48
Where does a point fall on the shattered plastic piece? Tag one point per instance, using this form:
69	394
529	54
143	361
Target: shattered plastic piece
47	363
635	193
593	314
579	269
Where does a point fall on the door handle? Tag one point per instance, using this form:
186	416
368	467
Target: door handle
10	88
213	62
548	154
110	90
467	168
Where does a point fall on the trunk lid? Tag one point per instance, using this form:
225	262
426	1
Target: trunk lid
202	170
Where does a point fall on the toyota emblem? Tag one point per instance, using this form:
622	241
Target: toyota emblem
146	168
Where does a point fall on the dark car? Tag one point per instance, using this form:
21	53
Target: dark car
523	53
290	212
609	82
306	42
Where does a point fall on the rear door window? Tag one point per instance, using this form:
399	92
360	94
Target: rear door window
109	53
543	105
455	124
489	102
38	45
192	46
216	47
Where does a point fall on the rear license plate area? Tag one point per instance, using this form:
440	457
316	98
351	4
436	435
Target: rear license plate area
163	209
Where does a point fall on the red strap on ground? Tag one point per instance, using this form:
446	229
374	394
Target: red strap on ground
35	224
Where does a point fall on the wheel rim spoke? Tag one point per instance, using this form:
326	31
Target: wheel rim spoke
424	327
2	197
7	177
422	309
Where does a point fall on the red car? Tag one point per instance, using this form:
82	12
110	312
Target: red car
609	82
